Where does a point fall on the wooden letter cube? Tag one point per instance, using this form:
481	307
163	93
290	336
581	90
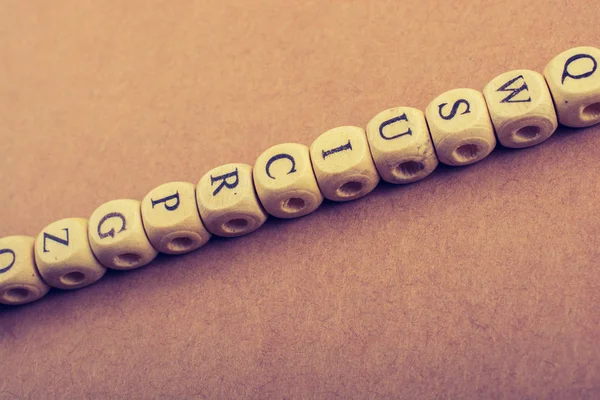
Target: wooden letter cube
521	108
117	237
171	218
64	257
285	181
343	164
227	201
20	282
401	145
574	80
460	127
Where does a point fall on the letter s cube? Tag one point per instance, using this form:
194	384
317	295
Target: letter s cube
460	126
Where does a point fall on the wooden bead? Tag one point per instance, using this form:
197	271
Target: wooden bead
521	108
171	218
343	164
574	80
117	236
64	257
285	181
460	127
401	145
227	201
20	282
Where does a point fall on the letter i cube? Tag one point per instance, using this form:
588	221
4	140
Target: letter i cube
343	164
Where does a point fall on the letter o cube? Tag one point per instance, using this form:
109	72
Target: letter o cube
20	282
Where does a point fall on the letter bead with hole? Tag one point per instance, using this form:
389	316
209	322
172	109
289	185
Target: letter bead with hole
401	145
171	218
285	181
521	108
227	201
64	257
343	164
460	127
117	237
573	77
20	282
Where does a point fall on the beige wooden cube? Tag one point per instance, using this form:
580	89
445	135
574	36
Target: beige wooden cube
172	220
20	282
117	237
521	108
227	201
573	77
343	164
285	181
460	127
401	145
64	257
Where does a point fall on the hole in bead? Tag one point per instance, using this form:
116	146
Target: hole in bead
72	278
591	112
528	132
466	152
182	243
16	295
235	225
408	169
293	205
127	260
350	189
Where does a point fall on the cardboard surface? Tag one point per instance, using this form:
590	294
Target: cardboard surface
478	282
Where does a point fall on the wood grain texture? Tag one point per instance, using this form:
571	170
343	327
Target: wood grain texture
476	282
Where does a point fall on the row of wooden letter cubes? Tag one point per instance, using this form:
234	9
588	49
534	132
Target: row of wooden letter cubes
400	145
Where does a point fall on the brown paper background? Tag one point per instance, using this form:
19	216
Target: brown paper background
477	282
